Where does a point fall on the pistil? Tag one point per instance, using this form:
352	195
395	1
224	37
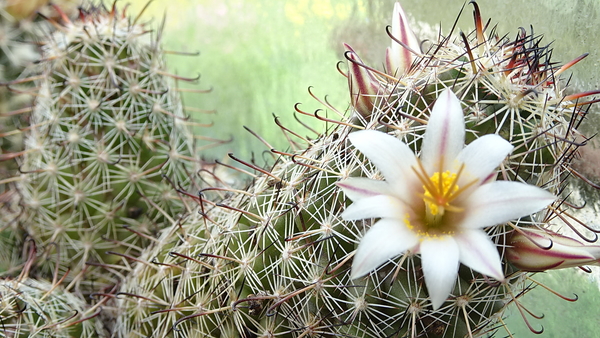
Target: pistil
440	190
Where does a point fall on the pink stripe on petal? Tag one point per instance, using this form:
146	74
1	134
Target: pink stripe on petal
557	251
357	188
445	134
479	253
362	83
384	240
401	56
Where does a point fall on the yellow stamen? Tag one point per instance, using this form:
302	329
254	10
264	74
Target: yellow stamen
422	176
441	189
439	199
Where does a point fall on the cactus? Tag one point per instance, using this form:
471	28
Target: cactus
19	31
274	260
16	52
509	87
108	144
38	308
108	141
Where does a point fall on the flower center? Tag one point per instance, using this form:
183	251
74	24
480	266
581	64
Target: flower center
439	192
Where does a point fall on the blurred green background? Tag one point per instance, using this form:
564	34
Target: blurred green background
260	56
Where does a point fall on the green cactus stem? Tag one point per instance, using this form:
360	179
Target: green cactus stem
108	143
274	260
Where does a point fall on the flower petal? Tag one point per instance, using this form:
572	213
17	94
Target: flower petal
386	239
445	134
440	259
501	201
359	187
482	156
383	206
392	157
479	253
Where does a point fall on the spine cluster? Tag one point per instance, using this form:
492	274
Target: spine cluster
274	260
107	144
112	207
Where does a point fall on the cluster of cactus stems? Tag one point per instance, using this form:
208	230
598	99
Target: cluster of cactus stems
108	141
112	206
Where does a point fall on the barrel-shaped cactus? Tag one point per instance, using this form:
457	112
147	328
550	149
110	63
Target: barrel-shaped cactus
275	260
109	144
283	257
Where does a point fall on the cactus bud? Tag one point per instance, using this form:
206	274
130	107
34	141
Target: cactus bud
537	250
400	55
362	83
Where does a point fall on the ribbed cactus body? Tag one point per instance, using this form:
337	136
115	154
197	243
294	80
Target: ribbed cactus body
37	308
107	146
512	88
274	260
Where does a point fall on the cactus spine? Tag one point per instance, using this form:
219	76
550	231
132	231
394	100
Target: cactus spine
108	140
39	308
274	260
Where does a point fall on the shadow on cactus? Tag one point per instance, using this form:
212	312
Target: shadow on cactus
108	146
276	259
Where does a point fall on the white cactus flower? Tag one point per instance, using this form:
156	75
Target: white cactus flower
438	204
